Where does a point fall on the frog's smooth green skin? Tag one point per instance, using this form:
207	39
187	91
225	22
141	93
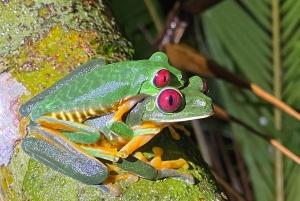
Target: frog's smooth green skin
138	74
91	65
58	146
90	93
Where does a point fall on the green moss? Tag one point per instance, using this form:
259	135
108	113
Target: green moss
39	183
39	18
45	13
113	46
6	179
13	175
39	64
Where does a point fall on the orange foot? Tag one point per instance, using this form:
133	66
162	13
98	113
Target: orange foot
159	164
109	185
176	135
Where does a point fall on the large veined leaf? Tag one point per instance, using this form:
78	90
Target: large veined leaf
260	40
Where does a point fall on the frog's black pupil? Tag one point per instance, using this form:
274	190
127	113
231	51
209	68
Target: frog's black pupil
171	100
165	78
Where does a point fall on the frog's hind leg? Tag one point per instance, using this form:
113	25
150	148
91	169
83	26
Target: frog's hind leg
54	150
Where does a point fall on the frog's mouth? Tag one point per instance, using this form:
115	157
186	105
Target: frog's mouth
185	119
139	113
173	118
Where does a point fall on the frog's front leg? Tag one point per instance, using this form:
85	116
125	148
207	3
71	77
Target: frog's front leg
143	134
116	124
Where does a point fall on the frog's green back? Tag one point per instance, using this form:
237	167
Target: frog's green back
105	87
91	65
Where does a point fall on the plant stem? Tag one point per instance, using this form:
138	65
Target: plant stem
277	94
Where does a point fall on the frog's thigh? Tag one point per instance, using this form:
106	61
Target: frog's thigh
76	132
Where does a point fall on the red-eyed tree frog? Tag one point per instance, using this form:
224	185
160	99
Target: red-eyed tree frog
94	90
146	119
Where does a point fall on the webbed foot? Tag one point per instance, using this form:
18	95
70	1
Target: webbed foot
175	134
159	164
112	189
167	169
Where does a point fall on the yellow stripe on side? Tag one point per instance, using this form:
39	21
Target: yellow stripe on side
80	116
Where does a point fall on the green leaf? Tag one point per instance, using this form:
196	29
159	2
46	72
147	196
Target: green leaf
240	36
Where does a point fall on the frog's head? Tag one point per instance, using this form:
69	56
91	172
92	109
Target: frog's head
173	105
160	74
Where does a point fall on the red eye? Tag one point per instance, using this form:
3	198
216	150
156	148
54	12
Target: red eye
161	78
169	100
205	87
